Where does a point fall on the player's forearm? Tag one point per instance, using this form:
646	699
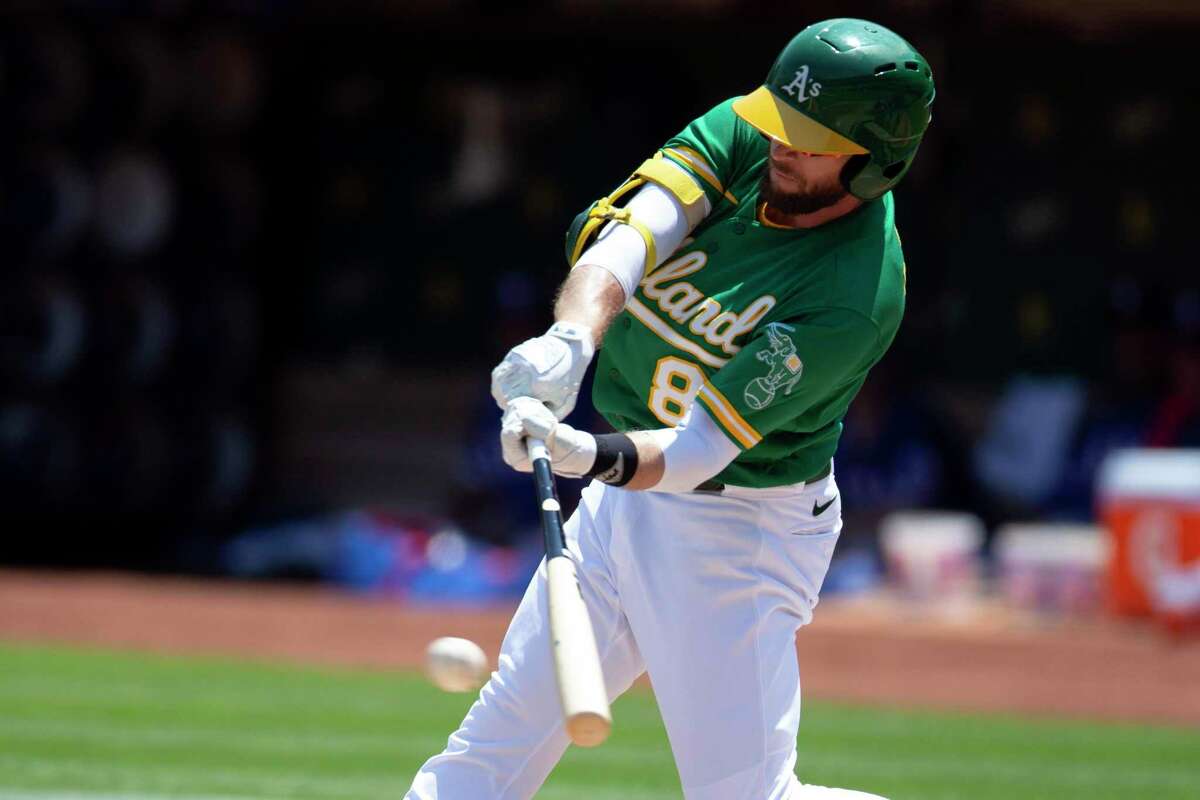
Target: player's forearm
681	458
651	462
592	297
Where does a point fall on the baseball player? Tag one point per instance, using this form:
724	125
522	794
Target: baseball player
743	282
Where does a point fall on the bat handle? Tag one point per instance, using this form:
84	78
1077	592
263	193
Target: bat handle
547	498
537	449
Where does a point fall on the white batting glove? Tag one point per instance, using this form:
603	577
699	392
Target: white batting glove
549	368
572	452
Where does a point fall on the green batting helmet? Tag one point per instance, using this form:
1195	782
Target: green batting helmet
847	86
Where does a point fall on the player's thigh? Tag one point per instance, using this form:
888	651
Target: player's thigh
730	697
714	599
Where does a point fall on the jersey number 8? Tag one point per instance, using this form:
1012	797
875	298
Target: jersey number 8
673	389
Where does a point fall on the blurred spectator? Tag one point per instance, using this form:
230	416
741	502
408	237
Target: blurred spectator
370	551
1025	447
1176	419
889	455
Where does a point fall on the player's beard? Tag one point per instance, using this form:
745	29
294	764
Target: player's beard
806	201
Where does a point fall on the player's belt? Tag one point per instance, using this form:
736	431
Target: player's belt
716	487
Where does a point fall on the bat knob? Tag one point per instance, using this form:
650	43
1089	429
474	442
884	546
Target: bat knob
537	449
588	729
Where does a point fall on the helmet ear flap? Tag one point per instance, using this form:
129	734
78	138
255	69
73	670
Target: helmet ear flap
867	180
852	169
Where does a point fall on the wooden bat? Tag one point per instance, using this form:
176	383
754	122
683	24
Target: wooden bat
576	660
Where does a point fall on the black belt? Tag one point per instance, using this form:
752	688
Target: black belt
717	487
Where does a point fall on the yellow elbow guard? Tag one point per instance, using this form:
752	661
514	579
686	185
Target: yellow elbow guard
670	177
586	227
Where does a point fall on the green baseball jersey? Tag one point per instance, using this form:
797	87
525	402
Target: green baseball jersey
771	329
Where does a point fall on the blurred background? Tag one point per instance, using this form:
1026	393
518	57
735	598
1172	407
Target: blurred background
260	257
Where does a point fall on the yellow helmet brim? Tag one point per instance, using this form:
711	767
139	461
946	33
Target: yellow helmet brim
766	112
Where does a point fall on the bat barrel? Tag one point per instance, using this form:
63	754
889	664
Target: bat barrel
581	688
586	713
589	728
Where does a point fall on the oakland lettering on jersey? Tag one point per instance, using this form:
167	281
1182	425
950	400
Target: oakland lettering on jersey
684	303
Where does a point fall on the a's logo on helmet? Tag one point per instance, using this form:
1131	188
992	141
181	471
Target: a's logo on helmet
800	87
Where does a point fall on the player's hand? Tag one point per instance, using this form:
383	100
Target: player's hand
549	368
572	452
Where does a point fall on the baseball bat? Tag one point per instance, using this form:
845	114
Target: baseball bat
576	660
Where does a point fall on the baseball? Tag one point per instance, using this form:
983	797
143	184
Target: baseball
456	665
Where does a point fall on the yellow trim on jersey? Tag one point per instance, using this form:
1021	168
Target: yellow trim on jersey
762	218
698	163
669	334
728	416
689	158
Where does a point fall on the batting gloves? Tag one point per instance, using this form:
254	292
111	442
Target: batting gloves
572	452
548	368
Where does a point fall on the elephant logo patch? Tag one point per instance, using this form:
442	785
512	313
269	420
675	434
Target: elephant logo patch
785	368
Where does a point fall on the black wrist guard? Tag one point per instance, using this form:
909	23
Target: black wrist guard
616	459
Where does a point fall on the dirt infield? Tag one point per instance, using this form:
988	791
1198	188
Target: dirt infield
862	651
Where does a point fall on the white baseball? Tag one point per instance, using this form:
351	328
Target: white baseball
456	665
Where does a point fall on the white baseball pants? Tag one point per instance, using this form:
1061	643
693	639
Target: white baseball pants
705	593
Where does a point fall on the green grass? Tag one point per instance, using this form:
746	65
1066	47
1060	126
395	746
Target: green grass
80	724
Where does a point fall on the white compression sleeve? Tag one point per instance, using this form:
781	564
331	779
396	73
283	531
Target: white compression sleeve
693	451
621	250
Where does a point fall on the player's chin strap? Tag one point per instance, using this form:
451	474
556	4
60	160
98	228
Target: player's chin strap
587	225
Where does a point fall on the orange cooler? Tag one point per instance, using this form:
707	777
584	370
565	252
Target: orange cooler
1149	503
